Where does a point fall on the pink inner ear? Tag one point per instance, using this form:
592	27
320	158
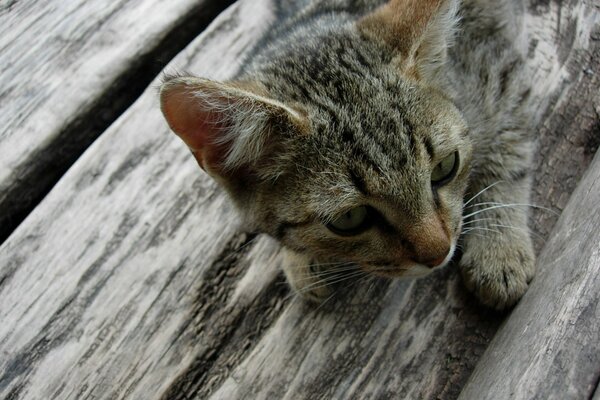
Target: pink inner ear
198	126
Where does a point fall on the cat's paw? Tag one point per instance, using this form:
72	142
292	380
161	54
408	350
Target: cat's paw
304	278
498	272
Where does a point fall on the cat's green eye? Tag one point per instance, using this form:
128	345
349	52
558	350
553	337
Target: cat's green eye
352	222
445	170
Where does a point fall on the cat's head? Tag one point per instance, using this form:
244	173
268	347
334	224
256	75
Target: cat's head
342	147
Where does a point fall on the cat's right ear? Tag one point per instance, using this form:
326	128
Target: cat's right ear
419	32
227	126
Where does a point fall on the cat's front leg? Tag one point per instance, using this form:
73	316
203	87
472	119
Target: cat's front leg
303	276
498	261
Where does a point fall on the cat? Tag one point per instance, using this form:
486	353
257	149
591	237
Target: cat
377	136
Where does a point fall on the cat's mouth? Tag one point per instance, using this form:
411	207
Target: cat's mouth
398	271
406	268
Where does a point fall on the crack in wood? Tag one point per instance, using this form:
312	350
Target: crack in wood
230	332
30	182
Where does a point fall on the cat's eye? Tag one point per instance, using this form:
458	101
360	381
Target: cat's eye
445	170
352	222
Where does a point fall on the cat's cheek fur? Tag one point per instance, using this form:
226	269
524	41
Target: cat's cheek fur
302	276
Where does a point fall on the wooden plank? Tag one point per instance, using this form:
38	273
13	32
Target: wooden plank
68	69
549	348
564	51
127	263
139	285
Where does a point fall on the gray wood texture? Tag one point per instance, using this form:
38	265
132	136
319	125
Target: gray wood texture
68	69
131	279
549	348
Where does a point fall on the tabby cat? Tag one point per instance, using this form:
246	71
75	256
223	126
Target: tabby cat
376	136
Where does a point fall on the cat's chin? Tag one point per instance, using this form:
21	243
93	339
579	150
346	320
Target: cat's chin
409	270
402	272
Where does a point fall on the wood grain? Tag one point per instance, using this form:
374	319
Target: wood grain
115	308
564	54
550	346
131	279
68	69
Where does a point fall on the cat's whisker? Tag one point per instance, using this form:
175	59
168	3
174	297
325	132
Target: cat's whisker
476	234
344	277
330	282
480	228
371	282
332	271
324	264
326	275
324	283
499	205
334	292
485	203
361	278
493	203
365	278
242	247
336	271
320	283
526	230
482	191
478	220
330	266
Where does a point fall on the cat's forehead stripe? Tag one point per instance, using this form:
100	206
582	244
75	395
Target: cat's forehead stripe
337	80
429	147
358	181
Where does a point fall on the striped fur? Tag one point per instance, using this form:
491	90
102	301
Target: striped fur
354	103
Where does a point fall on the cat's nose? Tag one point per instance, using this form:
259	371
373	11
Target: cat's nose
434	262
429	242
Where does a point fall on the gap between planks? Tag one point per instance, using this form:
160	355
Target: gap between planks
32	181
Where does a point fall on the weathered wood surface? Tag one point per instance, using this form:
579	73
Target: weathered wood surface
68	69
549	348
564	49
130	279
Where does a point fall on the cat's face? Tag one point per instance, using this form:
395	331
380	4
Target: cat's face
340	149
379	184
388	197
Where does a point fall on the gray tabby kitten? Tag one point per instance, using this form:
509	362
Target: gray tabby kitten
355	134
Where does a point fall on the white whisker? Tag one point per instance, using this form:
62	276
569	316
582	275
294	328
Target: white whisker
326	300
527	230
327	275
478	220
507	206
480	228
476	234
332	264
481	192
323	282
492	203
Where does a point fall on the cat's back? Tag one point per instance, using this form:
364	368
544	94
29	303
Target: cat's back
485	72
302	23
485	26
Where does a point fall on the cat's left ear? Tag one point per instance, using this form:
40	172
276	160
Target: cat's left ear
419	32
229	127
